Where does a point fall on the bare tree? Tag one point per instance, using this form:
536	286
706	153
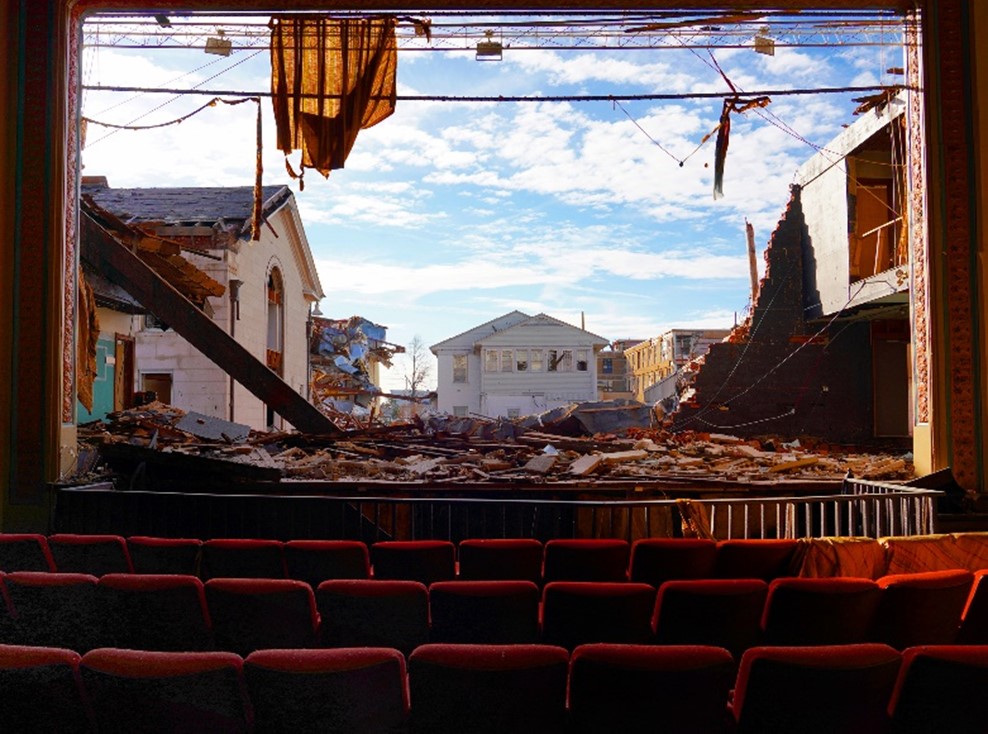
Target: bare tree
419	366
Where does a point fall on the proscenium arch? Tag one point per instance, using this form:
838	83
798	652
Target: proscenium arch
38	155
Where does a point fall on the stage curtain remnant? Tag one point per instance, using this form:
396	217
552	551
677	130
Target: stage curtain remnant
330	78
87	335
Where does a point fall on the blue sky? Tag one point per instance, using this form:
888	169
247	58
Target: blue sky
450	214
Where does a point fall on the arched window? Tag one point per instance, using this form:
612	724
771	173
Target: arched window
276	321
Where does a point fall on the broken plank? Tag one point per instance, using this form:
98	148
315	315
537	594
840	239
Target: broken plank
797	464
540	464
585	464
620	457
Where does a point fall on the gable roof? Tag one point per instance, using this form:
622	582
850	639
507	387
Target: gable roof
186	205
544	319
469	337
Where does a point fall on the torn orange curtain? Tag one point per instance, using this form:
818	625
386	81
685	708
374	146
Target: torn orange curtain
87	336
330	78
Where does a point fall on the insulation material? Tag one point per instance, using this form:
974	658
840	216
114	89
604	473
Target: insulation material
330	78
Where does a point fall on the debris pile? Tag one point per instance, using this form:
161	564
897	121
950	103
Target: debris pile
442	449
345	353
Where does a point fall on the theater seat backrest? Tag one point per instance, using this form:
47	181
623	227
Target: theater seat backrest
488	689
636	689
331	691
166	692
817	690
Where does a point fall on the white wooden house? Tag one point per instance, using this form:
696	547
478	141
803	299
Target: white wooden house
517	365
270	284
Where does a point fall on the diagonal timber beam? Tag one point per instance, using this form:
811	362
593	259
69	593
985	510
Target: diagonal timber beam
128	271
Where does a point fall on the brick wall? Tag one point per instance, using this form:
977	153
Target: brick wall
762	382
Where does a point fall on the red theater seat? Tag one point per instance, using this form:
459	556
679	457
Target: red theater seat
254	614
315	561
644	688
499	559
41	691
815	690
164	555
766	559
25	552
242	558
720	612
593	559
54	609
921	608
974	621
484	612
166	692
580	612
369	613
488	689
941	688
819	611
328	691
657	560
92	554
425	561
165	612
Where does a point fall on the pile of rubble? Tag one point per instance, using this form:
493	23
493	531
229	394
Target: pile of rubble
444	449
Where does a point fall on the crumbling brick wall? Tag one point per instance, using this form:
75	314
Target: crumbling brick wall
779	375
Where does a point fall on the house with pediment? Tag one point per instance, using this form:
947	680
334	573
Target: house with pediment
269	285
517	365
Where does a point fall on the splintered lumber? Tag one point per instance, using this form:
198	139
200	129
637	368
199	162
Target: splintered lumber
621	457
586	464
540	464
796	464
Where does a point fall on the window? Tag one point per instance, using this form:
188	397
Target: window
521	360
566	361
684	345
536	360
460	411
276	321
459	368
159	384
581	360
507	360
513	413
607	366
153	322
552	358
490	360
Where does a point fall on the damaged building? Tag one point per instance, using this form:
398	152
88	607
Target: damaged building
261	294
825	351
346	360
517	365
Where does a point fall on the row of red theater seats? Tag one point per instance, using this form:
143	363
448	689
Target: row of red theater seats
180	612
651	560
481	689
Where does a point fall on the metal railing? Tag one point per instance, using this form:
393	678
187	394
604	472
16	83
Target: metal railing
861	508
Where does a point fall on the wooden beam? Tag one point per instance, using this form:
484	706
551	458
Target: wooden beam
128	271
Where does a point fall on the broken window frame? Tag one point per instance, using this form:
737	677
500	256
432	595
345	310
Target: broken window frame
552	360
582	360
521	360
566	361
